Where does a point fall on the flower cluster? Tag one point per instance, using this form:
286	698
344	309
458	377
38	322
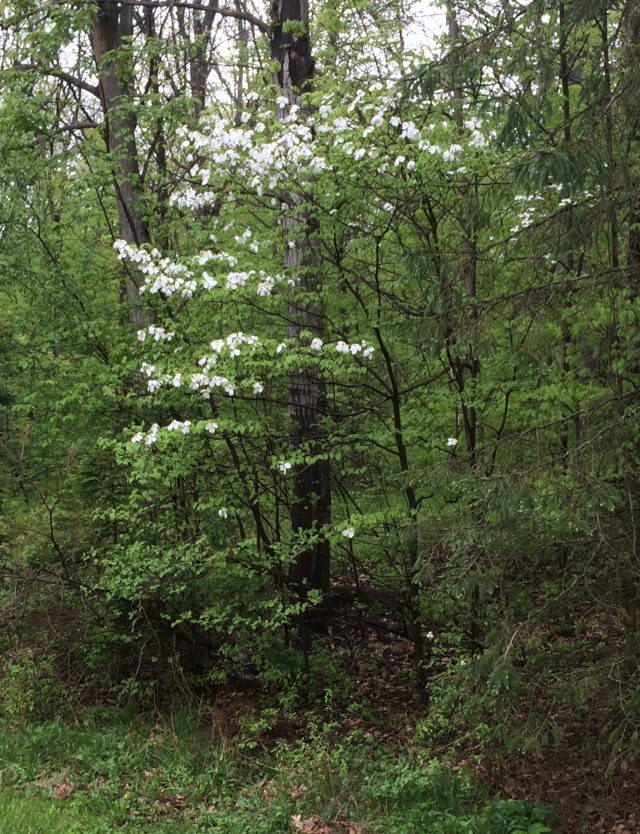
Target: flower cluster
355	348
267	155
158	333
170	277
149	438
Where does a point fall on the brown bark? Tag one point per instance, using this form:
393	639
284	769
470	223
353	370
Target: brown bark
311	499
633	239
199	63
113	23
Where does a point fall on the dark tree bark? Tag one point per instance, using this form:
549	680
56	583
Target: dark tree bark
633	59
114	23
311	500
292	49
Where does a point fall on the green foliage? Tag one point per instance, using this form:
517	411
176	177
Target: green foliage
522	817
30	691
446	247
141	776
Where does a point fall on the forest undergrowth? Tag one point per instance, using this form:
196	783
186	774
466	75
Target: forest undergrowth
345	746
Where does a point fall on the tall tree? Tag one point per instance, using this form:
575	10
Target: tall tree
311	502
111	30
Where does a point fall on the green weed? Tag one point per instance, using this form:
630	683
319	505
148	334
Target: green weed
113	773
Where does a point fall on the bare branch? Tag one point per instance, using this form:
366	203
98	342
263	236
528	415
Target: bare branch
63	76
200	7
86	125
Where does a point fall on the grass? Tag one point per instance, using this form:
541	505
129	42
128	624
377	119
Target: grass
36	814
112	774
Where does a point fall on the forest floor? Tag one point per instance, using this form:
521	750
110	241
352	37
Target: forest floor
357	753
566	758
550	743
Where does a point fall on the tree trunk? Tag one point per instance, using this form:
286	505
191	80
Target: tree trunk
114	22
633	239
311	499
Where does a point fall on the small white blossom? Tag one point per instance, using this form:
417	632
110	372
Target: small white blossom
175	425
243	238
208	282
222	512
284	466
316	344
211	427
348	532
410	131
452	441
258	388
137	437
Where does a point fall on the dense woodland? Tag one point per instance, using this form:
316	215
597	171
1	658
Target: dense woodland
320	335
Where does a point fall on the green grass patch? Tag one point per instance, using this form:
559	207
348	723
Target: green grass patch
110	774
29	813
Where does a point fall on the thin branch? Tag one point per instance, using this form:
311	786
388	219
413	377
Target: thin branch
200	7
86	125
63	76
